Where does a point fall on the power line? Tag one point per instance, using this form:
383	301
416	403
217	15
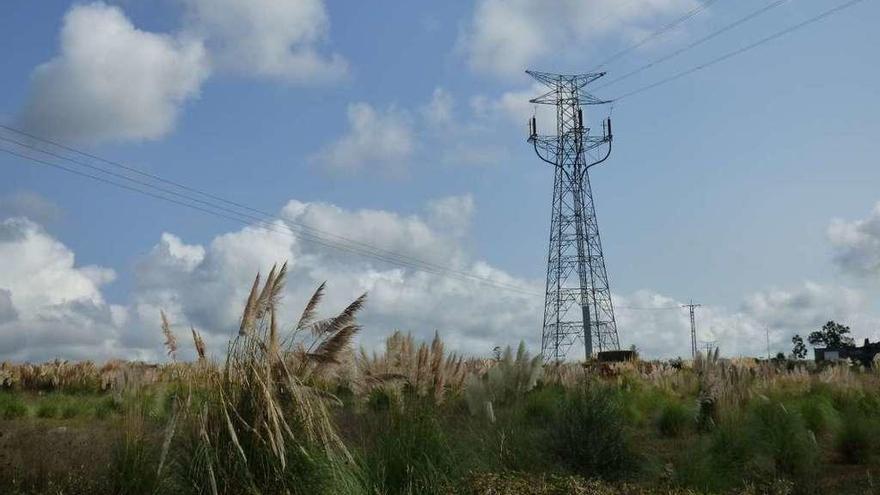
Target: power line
697	42
183	200
742	50
663	30
268	215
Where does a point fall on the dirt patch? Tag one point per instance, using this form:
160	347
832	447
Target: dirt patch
33	452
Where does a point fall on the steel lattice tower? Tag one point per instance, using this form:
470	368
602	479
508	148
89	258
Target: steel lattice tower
577	302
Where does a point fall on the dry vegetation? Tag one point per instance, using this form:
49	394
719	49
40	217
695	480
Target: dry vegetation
301	412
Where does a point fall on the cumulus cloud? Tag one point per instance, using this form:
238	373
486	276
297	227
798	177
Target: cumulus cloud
857	244
507	36
52	307
385	138
452	214
29	205
267	38
112	81
206	286
661	328
438	111
49	306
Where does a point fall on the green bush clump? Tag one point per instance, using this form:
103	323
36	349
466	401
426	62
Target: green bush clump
542	404
11	406
47	409
766	444
819	414
410	453
106	406
782	435
674	419
590	437
856	437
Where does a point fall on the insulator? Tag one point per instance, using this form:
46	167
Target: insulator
609	127
580	118
534	127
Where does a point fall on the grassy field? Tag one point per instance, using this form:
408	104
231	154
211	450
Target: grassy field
301	412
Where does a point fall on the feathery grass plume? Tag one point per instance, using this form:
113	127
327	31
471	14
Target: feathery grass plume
505	382
425	370
170	339
328	351
308	314
437	369
345	318
199	344
248	316
265	427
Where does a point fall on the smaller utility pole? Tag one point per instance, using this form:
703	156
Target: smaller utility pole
693	307
767	334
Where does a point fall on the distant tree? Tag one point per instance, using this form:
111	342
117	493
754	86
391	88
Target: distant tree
799	351
832	335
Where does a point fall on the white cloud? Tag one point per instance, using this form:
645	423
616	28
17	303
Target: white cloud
452	214
385	138
210	291
29	205
50	306
857	244
508	36
660	327
439	111
270	38
112	81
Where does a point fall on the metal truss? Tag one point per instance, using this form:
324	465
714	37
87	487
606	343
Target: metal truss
577	302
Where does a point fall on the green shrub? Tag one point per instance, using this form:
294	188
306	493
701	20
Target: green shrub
819	414
674	419
134	462
47	409
11	406
542	404
106	406
765	444
856	438
409	453
590	436
782	435
380	399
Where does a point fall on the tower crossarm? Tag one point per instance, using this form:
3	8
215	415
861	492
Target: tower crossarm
548	147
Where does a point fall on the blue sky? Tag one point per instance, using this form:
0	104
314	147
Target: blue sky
722	185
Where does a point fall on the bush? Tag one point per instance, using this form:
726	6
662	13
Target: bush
11	406
783	436
590	436
542	404
674	419
48	409
819	414
856	438
766	444
133	469
409	453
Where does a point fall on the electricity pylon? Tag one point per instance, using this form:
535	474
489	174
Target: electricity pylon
692	307
577	302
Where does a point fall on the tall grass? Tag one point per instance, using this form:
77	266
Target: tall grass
264	427
589	434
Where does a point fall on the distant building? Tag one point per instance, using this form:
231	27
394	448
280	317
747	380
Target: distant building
864	354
